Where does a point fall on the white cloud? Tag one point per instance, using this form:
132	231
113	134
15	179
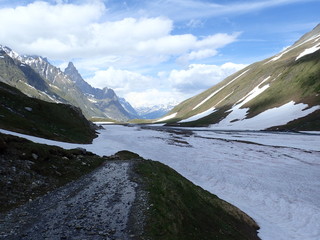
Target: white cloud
90	35
196	55
138	89
194	23
217	41
199	77
172	87
122	81
65	31
152	97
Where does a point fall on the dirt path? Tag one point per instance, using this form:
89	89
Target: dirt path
94	207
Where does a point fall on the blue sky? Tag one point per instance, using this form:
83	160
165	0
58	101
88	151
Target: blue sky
159	51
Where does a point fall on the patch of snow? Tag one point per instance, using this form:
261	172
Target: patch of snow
28	85
89	95
205	113
288	49
28	109
199	115
22	65
311	132
103	123
236	112
92	100
1	56
254	93
51	98
278	56
271	117
308	51
155	124
13	54
166	117
214	93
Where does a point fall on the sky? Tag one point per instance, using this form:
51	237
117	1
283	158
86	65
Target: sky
155	52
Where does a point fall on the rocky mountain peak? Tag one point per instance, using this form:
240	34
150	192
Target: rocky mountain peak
313	34
73	73
71	69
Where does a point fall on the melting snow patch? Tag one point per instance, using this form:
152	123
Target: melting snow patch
167	117
214	93
54	86
315	38
308	51
270	118
28	109
103	123
236	112
199	115
92	100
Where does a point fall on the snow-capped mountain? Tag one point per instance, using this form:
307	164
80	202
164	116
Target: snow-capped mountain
281	92
104	99
22	76
155	111
36	77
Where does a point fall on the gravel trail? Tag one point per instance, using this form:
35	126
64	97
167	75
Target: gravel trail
95	207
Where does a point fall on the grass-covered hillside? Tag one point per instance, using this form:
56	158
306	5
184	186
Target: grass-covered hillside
181	210
23	114
290	76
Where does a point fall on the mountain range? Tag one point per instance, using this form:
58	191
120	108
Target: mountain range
153	112
278	93
36	77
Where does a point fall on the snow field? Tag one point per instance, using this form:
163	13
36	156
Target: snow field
278	186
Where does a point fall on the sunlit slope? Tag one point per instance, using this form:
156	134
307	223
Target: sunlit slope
266	94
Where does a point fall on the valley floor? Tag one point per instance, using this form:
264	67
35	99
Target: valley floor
273	177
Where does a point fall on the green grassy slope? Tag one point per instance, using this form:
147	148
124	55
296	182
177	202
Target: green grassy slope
23	114
290	79
181	210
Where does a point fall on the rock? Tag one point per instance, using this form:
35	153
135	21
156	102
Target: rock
102	233
78	227
82	150
34	156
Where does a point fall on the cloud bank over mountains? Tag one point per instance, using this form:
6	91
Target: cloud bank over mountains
162	49
64	31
